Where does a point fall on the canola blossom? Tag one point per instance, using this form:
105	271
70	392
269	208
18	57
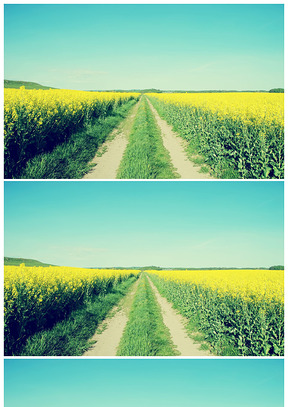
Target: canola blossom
36	297
240	312
251	285
239	135
251	108
37	120
39	283
41	105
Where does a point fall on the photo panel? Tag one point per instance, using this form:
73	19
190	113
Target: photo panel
200	95
144	268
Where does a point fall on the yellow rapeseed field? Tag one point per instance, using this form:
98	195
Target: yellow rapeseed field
55	284
240	312
236	135
40	106
36	121
35	298
249	107
249	284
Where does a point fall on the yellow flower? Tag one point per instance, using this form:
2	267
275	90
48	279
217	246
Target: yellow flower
253	285
248	107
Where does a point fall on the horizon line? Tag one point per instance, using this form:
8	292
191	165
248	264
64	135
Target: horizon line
152	88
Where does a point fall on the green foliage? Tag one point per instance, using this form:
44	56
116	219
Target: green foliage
232	325
137	90
276	268
230	148
71	336
25	138
145	333
277	90
151	91
70	160
26	318
145	156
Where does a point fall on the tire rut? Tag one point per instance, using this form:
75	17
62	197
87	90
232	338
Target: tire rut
175	145
109	156
110	331
176	325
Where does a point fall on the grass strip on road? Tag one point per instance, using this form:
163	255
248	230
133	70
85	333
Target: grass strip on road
71	159
71	336
145	156
145	333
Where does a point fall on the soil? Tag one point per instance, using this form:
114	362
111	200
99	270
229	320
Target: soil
109	332
110	154
176	148
176	325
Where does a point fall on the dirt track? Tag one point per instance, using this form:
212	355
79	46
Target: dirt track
109	333
176	148
176	325
109	156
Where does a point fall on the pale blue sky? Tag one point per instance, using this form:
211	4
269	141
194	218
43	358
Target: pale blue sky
126	223
142	383
180	47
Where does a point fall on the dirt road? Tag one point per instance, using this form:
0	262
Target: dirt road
109	156
176	148
176	325
109	333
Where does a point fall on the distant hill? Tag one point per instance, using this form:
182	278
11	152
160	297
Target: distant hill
13	261
28	85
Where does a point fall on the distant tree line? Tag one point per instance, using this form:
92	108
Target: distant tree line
276	268
276	90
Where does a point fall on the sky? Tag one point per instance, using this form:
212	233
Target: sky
161	383
144	223
176	47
